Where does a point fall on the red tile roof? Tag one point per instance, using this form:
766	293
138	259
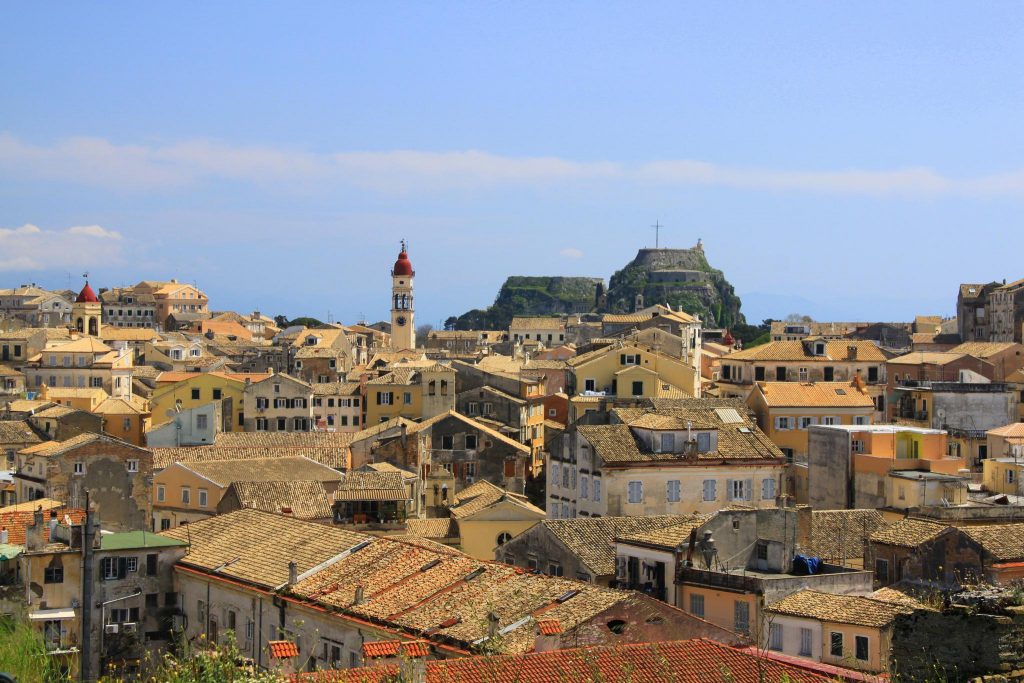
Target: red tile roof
549	627
380	648
684	661
17	522
282	649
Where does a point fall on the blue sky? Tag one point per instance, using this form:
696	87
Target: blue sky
849	161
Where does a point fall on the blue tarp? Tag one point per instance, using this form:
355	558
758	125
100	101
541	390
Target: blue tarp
806	565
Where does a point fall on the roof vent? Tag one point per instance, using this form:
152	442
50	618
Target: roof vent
475	573
430	565
565	596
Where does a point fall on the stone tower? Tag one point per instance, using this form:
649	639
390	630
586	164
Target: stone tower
87	312
403	332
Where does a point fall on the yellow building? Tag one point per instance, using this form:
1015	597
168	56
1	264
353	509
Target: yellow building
1002	471
628	369
127	419
80	399
191	390
173	298
489	516
413	392
786	409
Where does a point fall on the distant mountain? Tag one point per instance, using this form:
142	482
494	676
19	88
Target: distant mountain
682	278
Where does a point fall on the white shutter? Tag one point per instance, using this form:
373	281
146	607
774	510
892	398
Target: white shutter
729	490
748	487
709	489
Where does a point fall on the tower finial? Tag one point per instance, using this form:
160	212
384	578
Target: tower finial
403	244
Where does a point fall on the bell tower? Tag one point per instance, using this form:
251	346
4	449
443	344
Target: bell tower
87	312
403	332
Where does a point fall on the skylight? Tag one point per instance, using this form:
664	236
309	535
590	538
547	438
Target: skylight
728	415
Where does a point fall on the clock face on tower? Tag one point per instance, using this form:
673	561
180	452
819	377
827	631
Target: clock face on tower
400	320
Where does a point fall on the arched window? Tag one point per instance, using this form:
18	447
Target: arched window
504	537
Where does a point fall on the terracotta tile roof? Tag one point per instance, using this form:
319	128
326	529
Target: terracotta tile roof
302	499
592	539
549	627
909	532
441	527
668	537
17	432
892	594
683	661
225	472
739	437
1011	430
535	322
484	494
377	429
80	345
814	395
120	406
16	523
57	412
835	351
983	349
841	609
32	505
475	424
394	648
1005	542
327	448
282	649
927	358
336	389
837	534
540	364
55	393
360	485
255	547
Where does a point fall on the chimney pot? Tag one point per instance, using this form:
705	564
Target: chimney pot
359	594
293	573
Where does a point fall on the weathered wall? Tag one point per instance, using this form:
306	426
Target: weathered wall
828	467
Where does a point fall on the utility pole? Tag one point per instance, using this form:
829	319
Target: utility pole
85	669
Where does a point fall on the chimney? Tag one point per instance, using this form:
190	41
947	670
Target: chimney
851	351
359	594
34	533
548	635
293	573
53	522
492	625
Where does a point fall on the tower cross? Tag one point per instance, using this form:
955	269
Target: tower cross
657	233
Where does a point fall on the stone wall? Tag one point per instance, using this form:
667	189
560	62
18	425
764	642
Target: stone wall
958	645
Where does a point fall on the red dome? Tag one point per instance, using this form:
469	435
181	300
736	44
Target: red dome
87	296
403	266
728	340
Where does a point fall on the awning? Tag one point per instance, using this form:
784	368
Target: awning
9	551
52	614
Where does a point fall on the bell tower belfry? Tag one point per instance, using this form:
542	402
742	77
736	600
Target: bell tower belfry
87	312
403	332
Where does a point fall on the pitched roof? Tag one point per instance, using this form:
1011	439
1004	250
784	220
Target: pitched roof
592	539
80	345
224	472
362	485
336	389
17	432
483	494
1005	542
120	406
841	609
682	661
797	350
522	322
303	499
475	424
837	534
909	532
255	546
1011	430
983	349
814	395
17	521
667	537
440	527
927	358
327	448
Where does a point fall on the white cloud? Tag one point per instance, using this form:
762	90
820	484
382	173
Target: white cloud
571	252
101	163
30	248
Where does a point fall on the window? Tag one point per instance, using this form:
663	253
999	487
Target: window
836	644
407	398
282	424
806	422
132	465
861	648
805	642
636	491
79	468
473	408
384	398
132	564
703	442
741	616
638	388
447	442
873	373
165	524
761	550
597	490
216	394
803	374
697	605
668	442
109	568
151	564
554	569
830	420
161	493
203	498
775	637
54	572
1009	476
590	385
261	424
861	420
767	489
565	477
783	423
554	474
672	490
759	374
195	394
630	359
230	620
488	408
710	489
881	570
471	442
584	486
857	446
738	489
780	374
152	601
186	495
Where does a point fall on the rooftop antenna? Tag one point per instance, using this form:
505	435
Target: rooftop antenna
657	233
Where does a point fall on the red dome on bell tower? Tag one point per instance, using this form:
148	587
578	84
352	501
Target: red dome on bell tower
403	266
87	296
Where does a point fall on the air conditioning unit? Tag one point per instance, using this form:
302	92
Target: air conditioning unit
131	627
110	628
